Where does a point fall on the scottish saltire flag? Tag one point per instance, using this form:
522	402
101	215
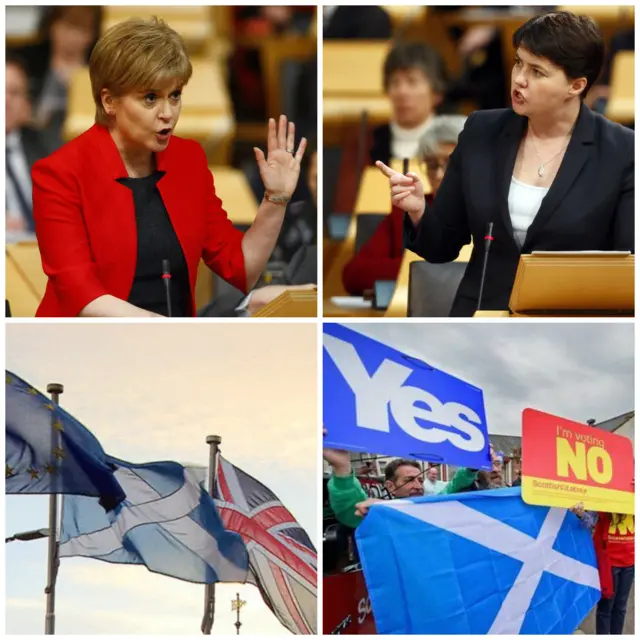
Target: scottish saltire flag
168	523
49	451
477	563
283	562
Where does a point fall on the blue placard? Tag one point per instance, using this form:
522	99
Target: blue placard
379	400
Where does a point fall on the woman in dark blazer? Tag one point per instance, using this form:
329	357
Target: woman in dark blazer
549	173
113	206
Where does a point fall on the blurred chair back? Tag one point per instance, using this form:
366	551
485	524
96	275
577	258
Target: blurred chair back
366	225
432	288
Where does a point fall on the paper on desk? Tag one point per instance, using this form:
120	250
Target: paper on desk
581	253
351	302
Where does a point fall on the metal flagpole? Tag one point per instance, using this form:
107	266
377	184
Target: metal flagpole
55	390
210	590
236	605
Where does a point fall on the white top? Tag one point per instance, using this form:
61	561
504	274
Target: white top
524	204
404	142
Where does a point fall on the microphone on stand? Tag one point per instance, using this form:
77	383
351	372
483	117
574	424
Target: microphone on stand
405	170
166	277
488	239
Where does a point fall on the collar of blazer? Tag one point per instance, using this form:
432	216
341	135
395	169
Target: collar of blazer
574	159
113	163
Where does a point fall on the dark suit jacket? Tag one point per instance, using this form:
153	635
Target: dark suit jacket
588	207
34	147
86	223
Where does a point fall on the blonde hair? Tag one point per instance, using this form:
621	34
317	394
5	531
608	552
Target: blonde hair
134	55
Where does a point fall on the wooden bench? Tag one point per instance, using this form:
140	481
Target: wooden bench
193	23
621	103
352	83
25	280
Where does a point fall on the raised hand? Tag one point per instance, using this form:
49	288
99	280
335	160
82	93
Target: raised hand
362	508
339	459
280	170
407	192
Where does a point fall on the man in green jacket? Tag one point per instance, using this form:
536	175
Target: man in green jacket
403	479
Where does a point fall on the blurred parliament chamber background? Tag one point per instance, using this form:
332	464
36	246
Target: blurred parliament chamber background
249	64
354	100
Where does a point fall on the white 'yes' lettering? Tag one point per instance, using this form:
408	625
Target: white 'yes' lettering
384	388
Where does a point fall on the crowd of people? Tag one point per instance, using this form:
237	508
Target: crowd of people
613	534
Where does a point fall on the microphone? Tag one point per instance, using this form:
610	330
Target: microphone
166	277
488	239
405	170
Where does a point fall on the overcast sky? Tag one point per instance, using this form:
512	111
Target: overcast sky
154	393
574	370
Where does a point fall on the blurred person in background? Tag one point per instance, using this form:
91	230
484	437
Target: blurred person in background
431	484
117	202
482	77
67	35
355	23
300	225
381	256
415	83
549	173
24	146
254	24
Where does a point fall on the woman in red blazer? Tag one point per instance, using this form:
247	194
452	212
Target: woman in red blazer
118	203
381	256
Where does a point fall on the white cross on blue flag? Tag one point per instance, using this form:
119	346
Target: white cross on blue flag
477	563
168	522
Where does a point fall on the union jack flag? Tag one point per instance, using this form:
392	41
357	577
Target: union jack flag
282	559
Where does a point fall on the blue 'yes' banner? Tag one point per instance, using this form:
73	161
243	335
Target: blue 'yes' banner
379	400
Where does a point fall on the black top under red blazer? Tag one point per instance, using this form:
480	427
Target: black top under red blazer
588	207
86	223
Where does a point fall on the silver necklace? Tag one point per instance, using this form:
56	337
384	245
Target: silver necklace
541	166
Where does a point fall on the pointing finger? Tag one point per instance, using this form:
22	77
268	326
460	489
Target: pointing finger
388	171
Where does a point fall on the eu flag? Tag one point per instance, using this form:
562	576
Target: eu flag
168	523
70	462
477	563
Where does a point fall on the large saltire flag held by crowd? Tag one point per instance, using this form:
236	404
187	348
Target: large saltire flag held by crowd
477	563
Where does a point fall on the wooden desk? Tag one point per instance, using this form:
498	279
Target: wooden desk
193	23
398	307
274	53
332	284
25	279
621	104
374	195
241	207
353	67
236	195
353	81
609	13
22	298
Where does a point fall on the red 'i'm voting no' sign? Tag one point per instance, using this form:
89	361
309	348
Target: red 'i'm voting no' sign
566	462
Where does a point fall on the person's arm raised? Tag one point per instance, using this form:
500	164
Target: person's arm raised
438	232
279	171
